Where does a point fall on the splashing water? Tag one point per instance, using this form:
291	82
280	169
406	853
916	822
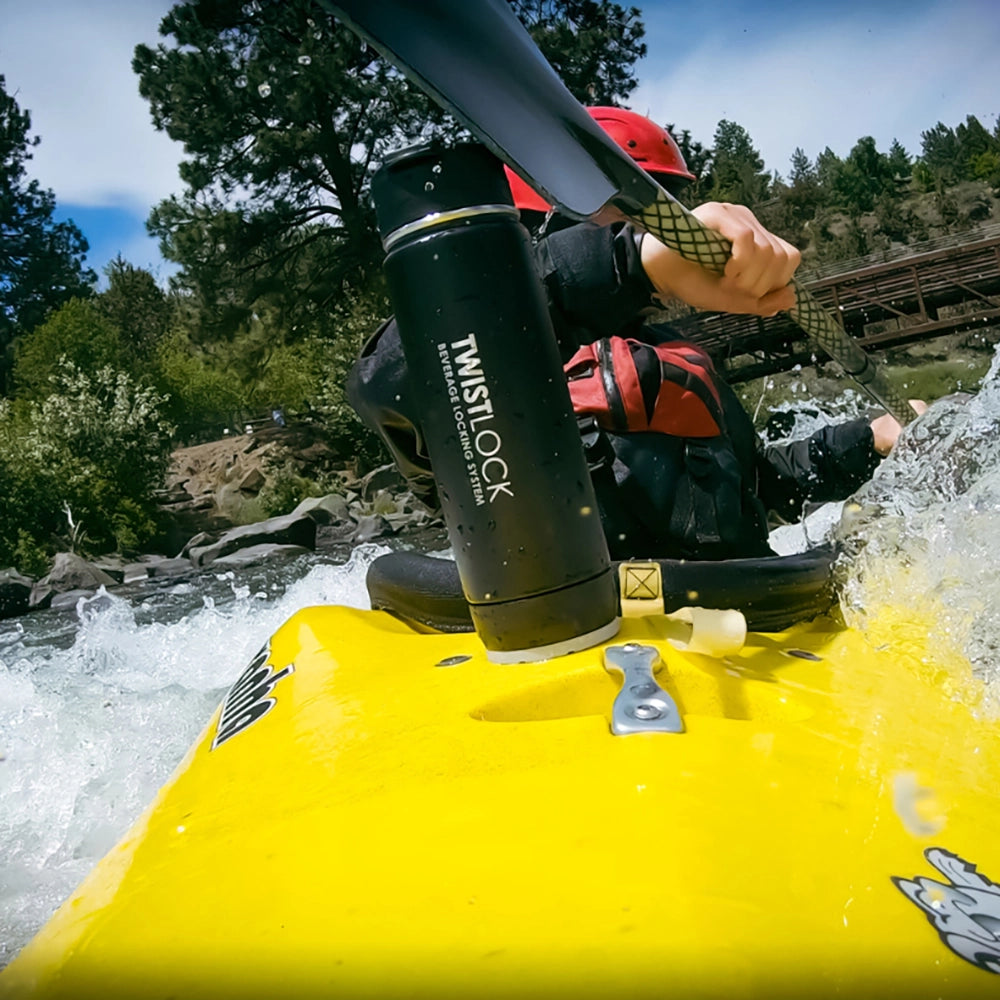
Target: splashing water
923	533
97	708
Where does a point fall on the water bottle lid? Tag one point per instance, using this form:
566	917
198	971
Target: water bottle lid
431	179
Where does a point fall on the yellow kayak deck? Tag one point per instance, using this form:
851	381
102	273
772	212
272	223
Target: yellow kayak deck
381	813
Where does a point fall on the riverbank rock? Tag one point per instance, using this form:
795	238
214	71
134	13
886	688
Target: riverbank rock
291	529
253	554
69	572
15	591
331	509
214	486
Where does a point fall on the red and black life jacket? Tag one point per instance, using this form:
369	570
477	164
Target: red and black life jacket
627	385
666	474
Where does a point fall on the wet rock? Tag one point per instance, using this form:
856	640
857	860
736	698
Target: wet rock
198	541
15	590
406	520
330	509
169	567
334	535
69	599
259	553
69	572
291	529
113	565
385	477
371	526
135	571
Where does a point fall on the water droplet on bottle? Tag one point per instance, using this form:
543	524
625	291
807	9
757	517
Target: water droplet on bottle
241	82
429	186
436	169
264	90
305	60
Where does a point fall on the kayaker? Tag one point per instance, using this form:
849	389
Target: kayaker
690	492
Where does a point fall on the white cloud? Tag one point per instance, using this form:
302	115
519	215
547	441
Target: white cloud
830	82
69	64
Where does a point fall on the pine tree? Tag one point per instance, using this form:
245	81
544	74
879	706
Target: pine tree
138	309
593	45
941	155
737	168
698	160
41	260
900	162
802	197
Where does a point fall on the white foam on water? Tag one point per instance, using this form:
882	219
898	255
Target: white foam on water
923	534
89	732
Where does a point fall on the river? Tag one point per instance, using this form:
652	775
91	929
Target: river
98	705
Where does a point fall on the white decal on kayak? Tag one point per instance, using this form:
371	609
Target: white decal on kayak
964	911
249	698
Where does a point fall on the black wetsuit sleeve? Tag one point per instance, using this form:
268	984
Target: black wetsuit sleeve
594	282
829	465
379	389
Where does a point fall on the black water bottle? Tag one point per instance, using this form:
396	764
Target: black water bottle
501	435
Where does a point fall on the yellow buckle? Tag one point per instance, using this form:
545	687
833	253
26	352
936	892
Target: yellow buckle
641	587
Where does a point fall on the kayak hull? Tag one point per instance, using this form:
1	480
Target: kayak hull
376	812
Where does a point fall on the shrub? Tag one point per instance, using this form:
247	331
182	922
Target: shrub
201	394
99	445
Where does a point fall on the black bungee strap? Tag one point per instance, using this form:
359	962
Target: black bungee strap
773	592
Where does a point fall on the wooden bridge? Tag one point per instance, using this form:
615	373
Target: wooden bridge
925	290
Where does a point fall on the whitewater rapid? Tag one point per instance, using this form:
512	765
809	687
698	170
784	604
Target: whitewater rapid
98	706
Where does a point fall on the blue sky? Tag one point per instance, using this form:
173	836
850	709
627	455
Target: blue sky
806	74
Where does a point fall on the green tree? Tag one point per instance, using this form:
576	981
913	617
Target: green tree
900	162
138	309
986	167
804	194
737	168
863	176
974	139
202	396
979	150
79	333
941	155
282	112
895	219
698	159
41	260
828	168
592	44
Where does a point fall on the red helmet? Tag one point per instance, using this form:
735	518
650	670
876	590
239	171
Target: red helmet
651	146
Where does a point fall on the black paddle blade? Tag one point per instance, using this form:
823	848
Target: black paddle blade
478	61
